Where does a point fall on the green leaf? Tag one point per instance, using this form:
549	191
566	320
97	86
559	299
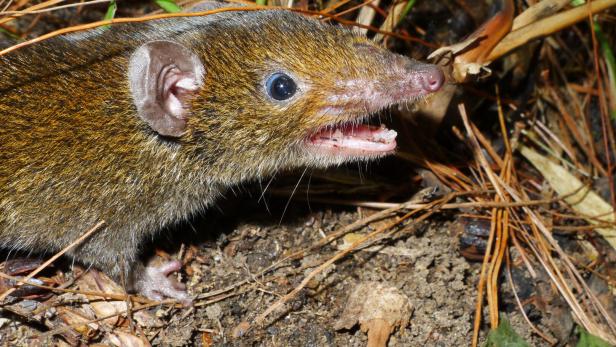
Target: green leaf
9	34
407	9
610	63
589	340
168	5
505	336
111	10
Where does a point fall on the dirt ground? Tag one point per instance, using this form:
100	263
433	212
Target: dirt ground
226	247
423	263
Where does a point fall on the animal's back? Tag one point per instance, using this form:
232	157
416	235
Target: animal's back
72	150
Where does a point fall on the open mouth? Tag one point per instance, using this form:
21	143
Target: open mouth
360	99
354	139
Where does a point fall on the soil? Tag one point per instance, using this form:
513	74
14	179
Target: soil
425	266
234	245
423	263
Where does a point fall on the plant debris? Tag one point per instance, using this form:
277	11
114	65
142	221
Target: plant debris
493	224
378	309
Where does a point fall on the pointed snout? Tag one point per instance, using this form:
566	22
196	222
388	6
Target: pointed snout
432	79
422	78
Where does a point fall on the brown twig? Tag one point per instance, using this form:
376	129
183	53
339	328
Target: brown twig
52	259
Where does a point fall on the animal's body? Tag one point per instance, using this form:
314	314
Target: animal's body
142	125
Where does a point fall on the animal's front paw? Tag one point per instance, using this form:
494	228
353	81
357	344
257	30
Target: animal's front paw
155	283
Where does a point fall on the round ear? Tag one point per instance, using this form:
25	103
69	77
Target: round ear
162	75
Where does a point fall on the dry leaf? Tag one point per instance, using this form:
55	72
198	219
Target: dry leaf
585	201
378	308
122	339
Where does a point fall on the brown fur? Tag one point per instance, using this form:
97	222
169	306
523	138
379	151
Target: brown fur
73	152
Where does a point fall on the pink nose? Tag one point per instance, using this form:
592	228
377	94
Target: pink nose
432	79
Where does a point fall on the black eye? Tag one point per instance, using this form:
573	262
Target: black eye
280	86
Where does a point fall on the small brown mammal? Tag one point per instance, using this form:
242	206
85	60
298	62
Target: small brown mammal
142	125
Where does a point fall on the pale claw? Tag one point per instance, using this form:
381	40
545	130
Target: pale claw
156	285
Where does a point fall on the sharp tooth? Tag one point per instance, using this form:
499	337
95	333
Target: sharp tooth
337	134
385	136
391	134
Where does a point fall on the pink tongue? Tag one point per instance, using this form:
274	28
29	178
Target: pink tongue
358	138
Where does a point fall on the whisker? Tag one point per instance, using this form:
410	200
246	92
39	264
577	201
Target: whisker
263	191
308	191
291	197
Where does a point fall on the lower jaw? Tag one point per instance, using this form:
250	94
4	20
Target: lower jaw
353	141
347	153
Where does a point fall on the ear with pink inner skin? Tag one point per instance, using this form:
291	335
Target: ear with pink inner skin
162	75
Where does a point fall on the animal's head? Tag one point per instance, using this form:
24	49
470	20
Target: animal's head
274	89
